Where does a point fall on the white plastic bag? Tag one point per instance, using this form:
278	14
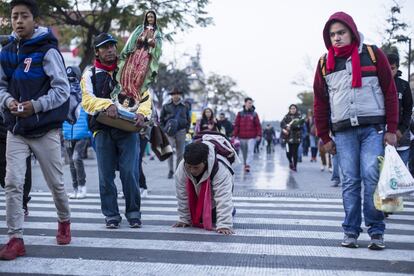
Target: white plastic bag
395	178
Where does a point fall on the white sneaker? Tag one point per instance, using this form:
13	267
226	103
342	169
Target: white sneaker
330	170
74	194
81	192
322	168
144	193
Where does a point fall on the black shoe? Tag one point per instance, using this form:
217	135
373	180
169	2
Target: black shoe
135	223
377	242
112	224
170	174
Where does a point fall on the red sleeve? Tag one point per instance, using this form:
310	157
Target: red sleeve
321	106
236	126
387	84
258	126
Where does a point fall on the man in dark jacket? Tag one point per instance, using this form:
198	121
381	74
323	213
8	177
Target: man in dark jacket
405	106
248	129
355	94
175	121
226	124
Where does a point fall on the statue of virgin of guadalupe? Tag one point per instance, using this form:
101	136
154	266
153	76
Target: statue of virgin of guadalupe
138	64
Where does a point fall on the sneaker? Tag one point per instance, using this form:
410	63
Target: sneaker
144	193
74	194
336	183
330	170
135	223
170	174
291	166
377	242
63	235
322	168
233	213
247	168
81	193
13	249
112	224
350	241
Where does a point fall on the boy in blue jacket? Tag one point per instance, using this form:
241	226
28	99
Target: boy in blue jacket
34	92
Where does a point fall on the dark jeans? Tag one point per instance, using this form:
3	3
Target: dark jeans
314	152
75	150
142	144
292	154
269	146
28	176
116	148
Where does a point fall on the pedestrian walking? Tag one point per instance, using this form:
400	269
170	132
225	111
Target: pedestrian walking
225	124
313	139
34	94
175	121
291	126
325	158
405	106
76	137
115	148
269	135
355	96
248	130
207	121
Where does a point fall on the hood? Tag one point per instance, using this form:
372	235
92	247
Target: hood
41	35
346	19
210	164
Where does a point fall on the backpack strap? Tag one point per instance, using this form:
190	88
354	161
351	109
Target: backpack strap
93	79
372	54
216	168
322	64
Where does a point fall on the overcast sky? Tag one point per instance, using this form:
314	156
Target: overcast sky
264	44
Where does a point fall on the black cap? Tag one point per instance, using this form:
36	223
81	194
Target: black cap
175	91
104	38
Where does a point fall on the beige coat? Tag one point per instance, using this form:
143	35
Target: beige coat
222	185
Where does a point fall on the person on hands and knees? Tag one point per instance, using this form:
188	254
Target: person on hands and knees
204	184
356	99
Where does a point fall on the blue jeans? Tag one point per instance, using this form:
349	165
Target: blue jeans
118	149
335	168
405	155
358	149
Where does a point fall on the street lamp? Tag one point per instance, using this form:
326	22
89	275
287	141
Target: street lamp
403	38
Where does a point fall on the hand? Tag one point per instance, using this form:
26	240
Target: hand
399	135
181	224
139	120
330	147
390	139
28	110
225	231
112	111
13	106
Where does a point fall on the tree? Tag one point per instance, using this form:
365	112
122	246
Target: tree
168	78
222	95
396	31
74	20
306	98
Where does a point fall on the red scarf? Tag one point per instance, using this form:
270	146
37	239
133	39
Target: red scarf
109	68
200	207
346	52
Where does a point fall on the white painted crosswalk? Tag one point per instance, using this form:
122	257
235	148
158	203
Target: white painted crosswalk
274	236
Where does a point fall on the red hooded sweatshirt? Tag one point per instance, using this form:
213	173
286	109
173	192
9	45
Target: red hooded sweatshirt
321	102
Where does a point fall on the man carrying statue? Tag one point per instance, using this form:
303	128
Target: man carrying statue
112	92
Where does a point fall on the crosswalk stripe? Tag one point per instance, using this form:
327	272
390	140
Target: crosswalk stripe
239	232
240	220
285	242
65	266
223	247
258	212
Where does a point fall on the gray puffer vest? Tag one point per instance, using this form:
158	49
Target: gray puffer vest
352	107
